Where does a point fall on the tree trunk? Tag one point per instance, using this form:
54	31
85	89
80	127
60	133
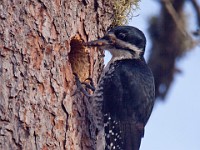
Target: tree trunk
41	45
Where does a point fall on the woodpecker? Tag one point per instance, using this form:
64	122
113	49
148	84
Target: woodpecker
124	97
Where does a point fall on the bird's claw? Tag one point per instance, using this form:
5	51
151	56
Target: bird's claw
89	85
80	87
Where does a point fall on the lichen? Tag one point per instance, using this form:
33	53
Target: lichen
123	11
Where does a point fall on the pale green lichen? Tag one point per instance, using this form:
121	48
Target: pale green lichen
123	11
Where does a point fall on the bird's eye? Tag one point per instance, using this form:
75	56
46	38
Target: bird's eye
121	35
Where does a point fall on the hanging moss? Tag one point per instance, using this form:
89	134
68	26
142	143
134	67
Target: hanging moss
123	11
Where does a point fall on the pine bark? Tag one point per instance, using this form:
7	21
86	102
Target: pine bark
41	45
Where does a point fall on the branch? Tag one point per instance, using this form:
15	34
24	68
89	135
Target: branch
197	10
178	20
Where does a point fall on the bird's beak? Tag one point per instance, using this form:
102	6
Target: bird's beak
97	43
107	40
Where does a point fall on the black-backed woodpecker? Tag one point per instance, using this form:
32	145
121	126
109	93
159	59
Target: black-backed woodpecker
124	97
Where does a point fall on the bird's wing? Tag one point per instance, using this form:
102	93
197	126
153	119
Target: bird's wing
128	97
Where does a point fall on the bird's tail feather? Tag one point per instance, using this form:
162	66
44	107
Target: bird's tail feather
122	135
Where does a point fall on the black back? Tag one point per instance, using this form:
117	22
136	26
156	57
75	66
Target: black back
128	102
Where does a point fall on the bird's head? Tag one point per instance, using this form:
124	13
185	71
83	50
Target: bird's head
122	41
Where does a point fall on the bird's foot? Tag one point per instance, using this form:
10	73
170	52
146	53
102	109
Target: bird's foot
80	88
89	85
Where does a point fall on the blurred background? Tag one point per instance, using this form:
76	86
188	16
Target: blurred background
173	53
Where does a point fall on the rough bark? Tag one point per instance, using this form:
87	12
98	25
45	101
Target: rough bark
40	48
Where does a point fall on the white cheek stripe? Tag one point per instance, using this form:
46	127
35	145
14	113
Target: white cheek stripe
125	45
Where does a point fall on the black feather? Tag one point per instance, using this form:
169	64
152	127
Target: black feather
128	101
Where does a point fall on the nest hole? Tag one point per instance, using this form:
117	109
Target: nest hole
79	58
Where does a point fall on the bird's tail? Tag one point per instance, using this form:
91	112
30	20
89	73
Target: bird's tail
122	135
132	135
